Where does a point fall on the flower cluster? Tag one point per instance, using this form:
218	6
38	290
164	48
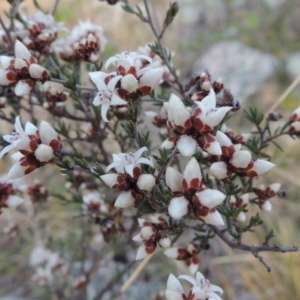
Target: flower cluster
53	96
130	81
83	43
130	178
194	128
37	192
45	262
22	72
41	31
152	234
265	193
8	194
188	255
234	160
36	147
201	289
157	62
189	191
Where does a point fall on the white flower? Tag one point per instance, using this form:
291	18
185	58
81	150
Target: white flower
208	114
124	162
107	95
126	60
206	201
35	146
202	288
174	289
21	72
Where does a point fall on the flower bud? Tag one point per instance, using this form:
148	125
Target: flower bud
165	242
146	182
43	153
129	83
274	116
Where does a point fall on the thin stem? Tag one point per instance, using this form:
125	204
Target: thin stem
159	42
7	34
79	87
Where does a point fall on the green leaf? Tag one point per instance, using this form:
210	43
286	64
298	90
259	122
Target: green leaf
171	13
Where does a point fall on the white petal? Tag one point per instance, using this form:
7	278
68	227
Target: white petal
267	206
210	198
178	207
22	88
214	148
275	187
188	278
137	238
139	152
174	179
30	128
113	81
116	100
6	150
152	77
192	170
214	219
210	100
36	71
16	171
14	201
219	170
47	132
21	51
104	109
186	145
215	117
262	166
193	268
145	161
109	179
173	284
223	139
141	253
129	169
179	115
124	200
3	78
5	61
241	159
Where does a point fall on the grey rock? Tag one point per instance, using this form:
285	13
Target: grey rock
293	65
243	69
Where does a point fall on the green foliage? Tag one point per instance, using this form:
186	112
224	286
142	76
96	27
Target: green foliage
137	11
171	13
254	115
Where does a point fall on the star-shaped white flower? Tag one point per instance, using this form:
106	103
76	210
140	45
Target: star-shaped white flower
125	162
106	96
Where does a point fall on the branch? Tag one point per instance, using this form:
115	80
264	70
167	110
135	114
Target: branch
159	42
78	87
7	34
255	249
264	247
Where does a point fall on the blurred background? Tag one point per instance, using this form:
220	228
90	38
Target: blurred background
254	45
